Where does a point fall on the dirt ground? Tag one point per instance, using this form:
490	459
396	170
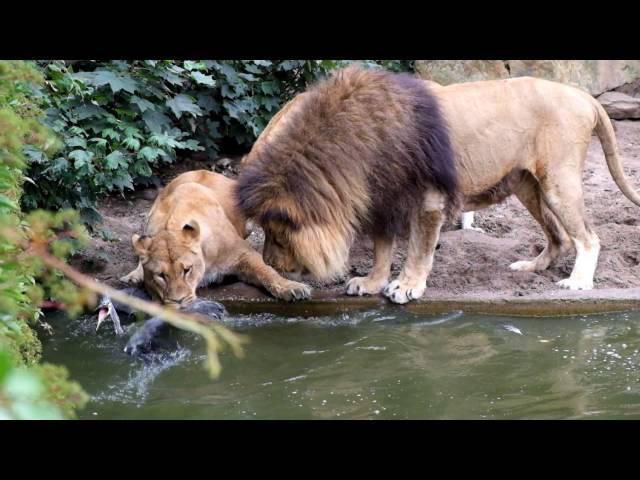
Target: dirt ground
468	263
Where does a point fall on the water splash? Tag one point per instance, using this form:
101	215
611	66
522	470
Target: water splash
135	389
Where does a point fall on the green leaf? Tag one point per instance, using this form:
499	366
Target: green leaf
182	103
164	140
8	204
190	65
142	168
269	88
117	82
156	122
149	153
33	411
88	111
252	69
192	145
110	133
248	76
131	143
58	166
76	142
5	365
290	64
80	158
34	154
77	131
22	384
142	104
123	180
115	159
173	79
131	131
203	79
100	142
207	102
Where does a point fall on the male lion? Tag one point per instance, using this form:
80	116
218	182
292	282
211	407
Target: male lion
376	152
194	236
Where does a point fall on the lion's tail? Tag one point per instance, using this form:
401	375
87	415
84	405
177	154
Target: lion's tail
607	136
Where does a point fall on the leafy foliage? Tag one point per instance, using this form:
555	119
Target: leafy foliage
121	121
24	391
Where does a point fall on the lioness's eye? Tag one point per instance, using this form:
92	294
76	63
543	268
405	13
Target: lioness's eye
187	270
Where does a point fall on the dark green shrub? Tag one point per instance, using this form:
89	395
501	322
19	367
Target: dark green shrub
121	121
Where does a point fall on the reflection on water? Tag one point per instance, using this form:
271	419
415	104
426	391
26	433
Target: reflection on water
386	364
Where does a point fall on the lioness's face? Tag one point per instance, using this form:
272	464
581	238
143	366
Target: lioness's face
172	263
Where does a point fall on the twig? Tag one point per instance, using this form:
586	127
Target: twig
199	324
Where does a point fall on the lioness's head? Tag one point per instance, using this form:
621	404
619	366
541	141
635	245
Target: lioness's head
173	263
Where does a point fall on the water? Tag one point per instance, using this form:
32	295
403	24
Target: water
382	364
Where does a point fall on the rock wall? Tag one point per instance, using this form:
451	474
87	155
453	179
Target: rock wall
595	76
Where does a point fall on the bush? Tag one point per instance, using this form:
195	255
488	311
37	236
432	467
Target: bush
27	390
121	121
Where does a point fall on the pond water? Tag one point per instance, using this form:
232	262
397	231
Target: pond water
379	364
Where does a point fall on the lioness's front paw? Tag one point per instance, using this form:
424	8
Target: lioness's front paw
572	284
132	279
365	286
291	291
398	292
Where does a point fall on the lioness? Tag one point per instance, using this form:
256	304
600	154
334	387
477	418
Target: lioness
195	235
376	152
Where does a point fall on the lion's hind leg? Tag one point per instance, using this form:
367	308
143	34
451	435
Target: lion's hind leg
566	202
379	275
558	241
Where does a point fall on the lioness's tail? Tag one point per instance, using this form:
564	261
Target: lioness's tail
604	130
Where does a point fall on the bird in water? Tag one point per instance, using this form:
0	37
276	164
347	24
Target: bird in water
150	335
112	310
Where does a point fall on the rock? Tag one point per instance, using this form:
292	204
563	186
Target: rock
595	76
620	106
632	89
149	194
446	72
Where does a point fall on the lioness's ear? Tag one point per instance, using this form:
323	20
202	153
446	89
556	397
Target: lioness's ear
141	244
191	230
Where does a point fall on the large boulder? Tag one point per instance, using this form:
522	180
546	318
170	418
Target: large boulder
594	76
620	106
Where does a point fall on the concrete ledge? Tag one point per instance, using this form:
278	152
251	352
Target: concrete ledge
243	299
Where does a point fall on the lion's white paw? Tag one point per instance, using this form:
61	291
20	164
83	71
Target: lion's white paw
475	229
364	286
572	284
523	266
399	293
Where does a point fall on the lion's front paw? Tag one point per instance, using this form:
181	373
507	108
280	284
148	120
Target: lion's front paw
365	286
399	292
523	266
291	291
573	284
